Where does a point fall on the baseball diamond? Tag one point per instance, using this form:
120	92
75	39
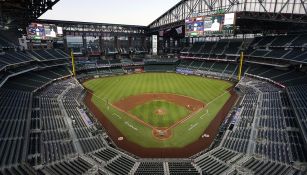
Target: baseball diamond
157	110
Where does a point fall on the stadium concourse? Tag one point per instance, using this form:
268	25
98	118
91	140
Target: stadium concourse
48	127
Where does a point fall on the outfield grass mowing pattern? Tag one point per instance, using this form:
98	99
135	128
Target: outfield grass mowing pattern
113	89
173	113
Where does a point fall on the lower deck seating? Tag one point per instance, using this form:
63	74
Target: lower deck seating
120	166
181	168
160	68
22	169
147	168
15	107
211	166
267	167
105	154
76	166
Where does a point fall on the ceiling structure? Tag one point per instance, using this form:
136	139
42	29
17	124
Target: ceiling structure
290	11
18	13
271	14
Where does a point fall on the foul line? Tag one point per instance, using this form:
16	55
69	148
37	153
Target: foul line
153	127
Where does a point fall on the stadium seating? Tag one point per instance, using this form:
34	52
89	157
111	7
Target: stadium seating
19	169
31	81
181	168
297	95
284	47
6	43
47	55
62	141
121	165
76	166
266	127
13	58
14	114
256	166
150	168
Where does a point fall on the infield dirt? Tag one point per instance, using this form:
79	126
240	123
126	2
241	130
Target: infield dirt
189	150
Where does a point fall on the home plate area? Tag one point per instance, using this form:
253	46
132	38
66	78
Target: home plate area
160	112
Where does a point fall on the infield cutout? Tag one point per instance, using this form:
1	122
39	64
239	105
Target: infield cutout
160	133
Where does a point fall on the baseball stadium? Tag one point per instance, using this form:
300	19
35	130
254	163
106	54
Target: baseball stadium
208	87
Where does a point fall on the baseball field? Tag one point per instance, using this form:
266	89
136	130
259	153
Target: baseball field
159	110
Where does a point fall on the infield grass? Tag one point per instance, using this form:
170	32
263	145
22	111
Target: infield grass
112	89
160	113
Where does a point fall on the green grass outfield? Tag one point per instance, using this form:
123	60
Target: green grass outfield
112	89
173	113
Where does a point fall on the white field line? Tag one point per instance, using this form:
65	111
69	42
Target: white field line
176	124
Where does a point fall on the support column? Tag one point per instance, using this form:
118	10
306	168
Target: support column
84	43
130	41
65	44
100	44
115	42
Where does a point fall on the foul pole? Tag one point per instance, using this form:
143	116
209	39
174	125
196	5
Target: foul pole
241	65
73	62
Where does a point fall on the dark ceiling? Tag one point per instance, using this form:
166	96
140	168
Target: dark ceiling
18	13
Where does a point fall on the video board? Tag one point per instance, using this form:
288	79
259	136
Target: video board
218	24
194	26
38	31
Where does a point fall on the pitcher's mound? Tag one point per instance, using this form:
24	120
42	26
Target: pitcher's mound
160	112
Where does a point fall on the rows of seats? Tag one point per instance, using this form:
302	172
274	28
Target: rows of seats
117	70
286	77
211	49
76	166
83	132
105	154
160	68
217	69
270	126
280	41
53	121
238	138
181	168
22	169
50	139
46	55
261	130
71	107
13	63
13	58
150	168
91	144
273	130
287	47
210	165
298	96
14	114
121	165
31	81
256	166
54	151
88	142
6	43
125	50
